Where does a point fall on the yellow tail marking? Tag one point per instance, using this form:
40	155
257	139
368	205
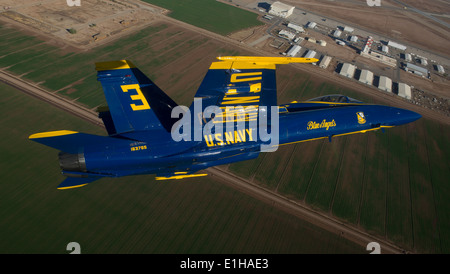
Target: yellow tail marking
51	134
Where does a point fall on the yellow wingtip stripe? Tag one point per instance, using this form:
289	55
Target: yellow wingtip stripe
180	177
120	64
270	60
69	187
51	134
256	62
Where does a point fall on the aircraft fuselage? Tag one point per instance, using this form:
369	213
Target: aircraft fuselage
298	122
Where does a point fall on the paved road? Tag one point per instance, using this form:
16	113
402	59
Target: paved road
300	210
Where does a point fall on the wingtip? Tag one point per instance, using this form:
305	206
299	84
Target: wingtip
111	65
51	134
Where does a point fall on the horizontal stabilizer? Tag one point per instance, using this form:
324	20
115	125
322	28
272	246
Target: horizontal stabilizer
178	175
73	182
71	141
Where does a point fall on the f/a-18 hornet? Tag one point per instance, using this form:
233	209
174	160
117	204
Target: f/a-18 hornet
234	116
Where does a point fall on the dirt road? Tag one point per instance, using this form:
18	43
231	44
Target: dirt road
60	102
299	210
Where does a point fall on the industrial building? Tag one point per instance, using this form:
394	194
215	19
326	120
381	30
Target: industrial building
337	33
385	84
396	45
281	10
423	61
366	77
312	25
354	38
296	27
310	54
286	34
312	39
440	69
348	70
368	45
348	29
404	91
407	57
325	62
416	69
294	50
374	55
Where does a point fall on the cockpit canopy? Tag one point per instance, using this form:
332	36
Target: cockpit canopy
335	98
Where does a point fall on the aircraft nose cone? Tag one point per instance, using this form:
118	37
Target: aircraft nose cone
403	116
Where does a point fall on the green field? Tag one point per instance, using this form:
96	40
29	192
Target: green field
391	184
132	214
209	14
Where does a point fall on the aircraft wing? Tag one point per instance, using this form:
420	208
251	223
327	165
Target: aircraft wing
245	81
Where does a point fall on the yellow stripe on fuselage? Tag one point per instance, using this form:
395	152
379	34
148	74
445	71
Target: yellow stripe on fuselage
343	134
333	103
51	134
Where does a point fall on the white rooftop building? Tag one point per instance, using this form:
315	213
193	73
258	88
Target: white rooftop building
414	68
337	33
286	34
296	27
404	91
396	45
310	54
407	57
366	77
348	29
440	69
293	50
325	62
354	38
385	84
348	70
281	10
312	25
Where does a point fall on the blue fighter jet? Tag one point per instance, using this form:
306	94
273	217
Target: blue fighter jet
229	120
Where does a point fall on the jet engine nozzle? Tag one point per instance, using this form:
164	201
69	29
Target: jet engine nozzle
72	162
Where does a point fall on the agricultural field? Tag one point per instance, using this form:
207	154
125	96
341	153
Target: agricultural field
129	215
210	15
391	184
